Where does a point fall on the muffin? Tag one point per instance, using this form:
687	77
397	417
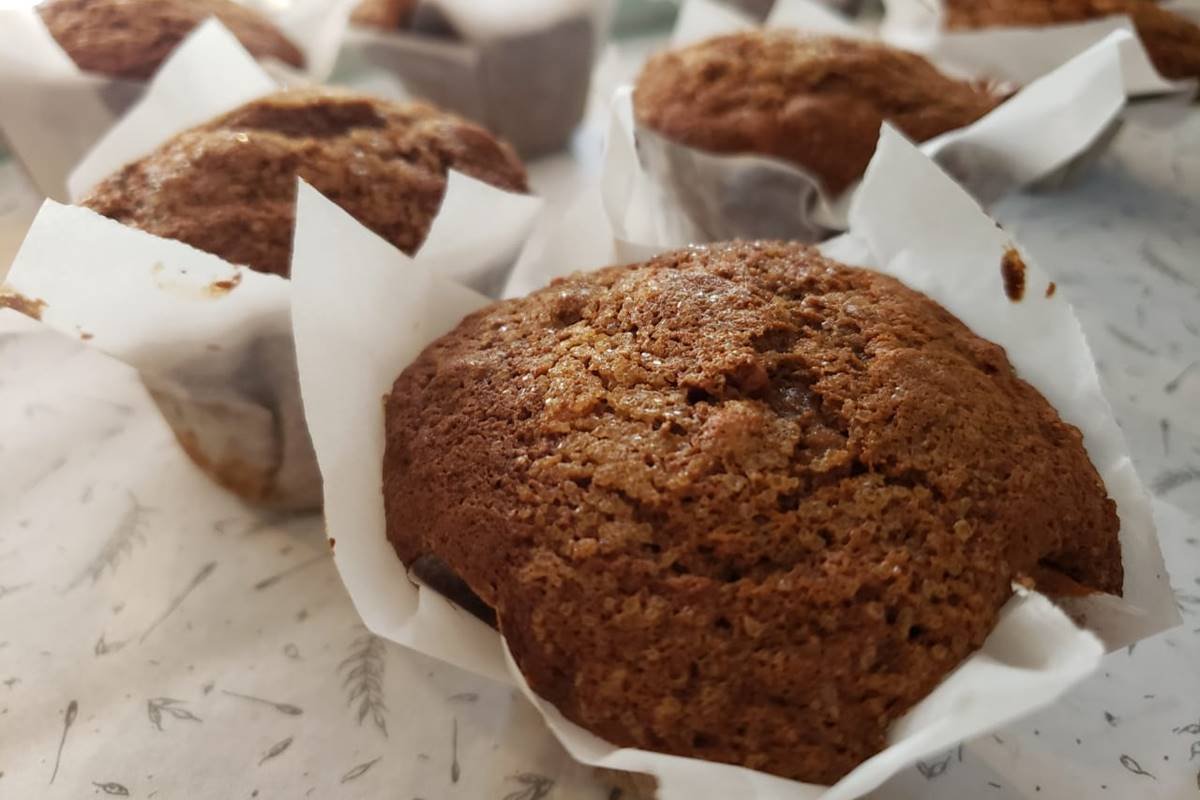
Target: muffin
386	14
741	502
814	101
131	38
228	187
1172	41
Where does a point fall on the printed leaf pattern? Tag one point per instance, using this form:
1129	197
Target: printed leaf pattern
534	787
156	707
362	677
935	769
358	771
276	749
128	531
112	788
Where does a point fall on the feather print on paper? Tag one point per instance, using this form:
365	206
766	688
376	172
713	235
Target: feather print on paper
119	544
157	706
362	677
533	787
358	771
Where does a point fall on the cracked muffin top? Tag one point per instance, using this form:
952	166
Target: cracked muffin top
1172	41
741	502
814	101
131	38
228	187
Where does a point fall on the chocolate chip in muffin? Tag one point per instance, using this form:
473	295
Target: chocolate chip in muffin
228	187
815	101
742	502
131	38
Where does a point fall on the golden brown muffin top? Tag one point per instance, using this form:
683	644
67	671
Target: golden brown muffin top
229	186
740	502
1172	41
815	101
131	38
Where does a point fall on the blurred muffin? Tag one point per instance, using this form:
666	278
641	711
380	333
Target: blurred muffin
229	186
1172	41
815	101
386	14
131	38
741	502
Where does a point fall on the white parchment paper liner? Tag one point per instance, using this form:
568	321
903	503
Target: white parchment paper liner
358	326
213	340
51	112
1021	54
522	67
1045	133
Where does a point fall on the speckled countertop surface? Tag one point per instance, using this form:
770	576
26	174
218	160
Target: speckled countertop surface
157	639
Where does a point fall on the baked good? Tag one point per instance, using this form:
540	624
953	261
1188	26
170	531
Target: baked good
1171	40
815	101
740	502
131	38
229	186
386	14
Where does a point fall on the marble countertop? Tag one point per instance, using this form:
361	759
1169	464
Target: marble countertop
159	639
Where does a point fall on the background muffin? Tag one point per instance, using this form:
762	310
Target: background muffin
386	14
815	101
1172	41
740	502
229	186
131	38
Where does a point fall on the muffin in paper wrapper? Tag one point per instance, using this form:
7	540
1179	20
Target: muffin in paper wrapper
212	340
53	111
1047	132
1020	54
944	246
521	68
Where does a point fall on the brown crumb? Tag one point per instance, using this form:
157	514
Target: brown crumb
223	287
1051	288
332	543
28	306
1012	270
388	15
